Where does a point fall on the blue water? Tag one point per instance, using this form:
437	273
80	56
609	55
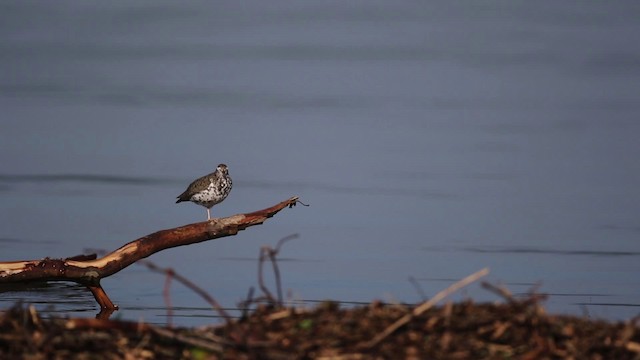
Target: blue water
431	139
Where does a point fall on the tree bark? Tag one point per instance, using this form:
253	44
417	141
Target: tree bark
89	270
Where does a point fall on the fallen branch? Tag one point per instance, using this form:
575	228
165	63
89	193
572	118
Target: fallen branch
88	271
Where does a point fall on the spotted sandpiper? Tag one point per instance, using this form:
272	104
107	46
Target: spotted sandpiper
209	190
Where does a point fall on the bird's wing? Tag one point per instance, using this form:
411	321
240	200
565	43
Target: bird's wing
192	188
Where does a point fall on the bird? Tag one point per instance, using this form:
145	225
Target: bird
209	190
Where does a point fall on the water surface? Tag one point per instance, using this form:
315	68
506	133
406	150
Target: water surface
431	140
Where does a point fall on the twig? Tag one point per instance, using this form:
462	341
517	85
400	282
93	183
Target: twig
245	305
167	296
276	273
204	344
274	263
263	287
500	291
298	202
418	288
101	297
272	253
213	343
195	288
424	307
285	239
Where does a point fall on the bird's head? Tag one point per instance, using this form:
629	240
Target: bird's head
222	168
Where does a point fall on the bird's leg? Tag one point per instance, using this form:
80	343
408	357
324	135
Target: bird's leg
208	214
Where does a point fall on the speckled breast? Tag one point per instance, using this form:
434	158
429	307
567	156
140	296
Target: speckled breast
214	193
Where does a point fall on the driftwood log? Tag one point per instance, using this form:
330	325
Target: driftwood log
88	270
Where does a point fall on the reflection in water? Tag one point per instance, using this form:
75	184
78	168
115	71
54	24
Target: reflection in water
50	298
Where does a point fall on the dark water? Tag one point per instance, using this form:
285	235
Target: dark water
431	139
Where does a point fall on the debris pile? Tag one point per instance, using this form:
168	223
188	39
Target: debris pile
514	329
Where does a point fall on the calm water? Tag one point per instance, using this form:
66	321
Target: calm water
431	139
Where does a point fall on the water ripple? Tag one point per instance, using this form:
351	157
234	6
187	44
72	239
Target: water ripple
83	178
531	250
607	304
353	190
14	179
